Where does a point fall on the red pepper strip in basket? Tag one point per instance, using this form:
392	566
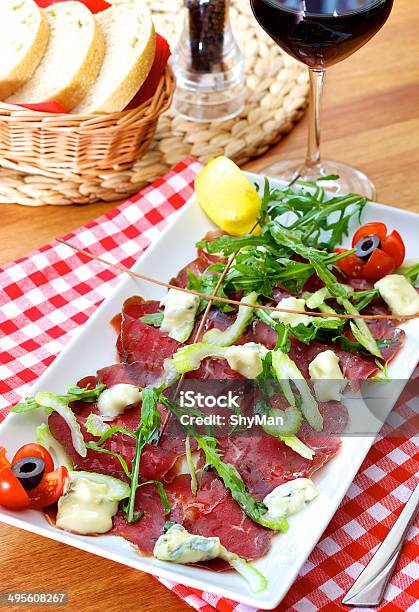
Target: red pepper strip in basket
94	6
45	107
150	85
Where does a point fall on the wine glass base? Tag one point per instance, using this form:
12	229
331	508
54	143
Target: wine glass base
350	179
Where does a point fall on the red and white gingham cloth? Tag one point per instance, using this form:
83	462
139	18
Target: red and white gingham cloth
46	296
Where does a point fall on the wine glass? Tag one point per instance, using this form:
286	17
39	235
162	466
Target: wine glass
321	33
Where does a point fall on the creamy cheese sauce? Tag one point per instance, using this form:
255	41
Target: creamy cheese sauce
180	546
179	310
113	401
86	508
290	497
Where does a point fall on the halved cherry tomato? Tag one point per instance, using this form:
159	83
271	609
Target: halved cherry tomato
12	495
35	450
352	265
4	462
393	245
378	265
382	256
379	229
50	490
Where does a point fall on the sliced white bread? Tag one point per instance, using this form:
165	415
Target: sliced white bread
130	42
24	34
72	60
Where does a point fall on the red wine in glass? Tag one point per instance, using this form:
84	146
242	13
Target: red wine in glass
321	33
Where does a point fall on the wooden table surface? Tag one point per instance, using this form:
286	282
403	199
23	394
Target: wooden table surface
371	119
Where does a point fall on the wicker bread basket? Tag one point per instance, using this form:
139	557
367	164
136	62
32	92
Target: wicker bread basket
58	145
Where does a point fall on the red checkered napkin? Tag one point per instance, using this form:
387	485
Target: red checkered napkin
46	296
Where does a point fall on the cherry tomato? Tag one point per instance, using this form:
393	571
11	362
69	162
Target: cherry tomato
3	459
393	245
352	265
12	495
35	450
50	490
383	254
379	265
379	229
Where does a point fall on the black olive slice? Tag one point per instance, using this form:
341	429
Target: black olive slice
29	471
366	245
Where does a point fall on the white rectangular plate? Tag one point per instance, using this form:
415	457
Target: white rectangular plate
94	348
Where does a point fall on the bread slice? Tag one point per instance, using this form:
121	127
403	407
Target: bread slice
130	42
72	60
24	34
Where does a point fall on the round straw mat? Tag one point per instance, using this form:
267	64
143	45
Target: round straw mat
275	98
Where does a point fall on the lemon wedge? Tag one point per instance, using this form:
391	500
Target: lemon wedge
228	197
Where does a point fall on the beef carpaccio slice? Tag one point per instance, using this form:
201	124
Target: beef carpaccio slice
355	367
145	532
212	512
139	342
141	374
265	462
156	461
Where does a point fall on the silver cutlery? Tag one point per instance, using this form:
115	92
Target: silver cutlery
369	587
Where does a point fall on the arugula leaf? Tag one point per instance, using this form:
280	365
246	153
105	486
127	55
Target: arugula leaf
99	449
146	433
228	474
411	273
233	481
162	493
191	466
226	245
266	198
317	258
315	213
206	283
303	333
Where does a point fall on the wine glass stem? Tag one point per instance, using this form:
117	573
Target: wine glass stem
313	158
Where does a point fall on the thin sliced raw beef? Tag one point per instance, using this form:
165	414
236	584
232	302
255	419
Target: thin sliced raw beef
280	293
383	329
140	342
140	374
359	284
264	462
353	366
213	512
145	532
214	369
156	461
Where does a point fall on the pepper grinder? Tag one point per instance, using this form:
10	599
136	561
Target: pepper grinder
208	64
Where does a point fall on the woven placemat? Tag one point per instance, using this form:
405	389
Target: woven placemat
275	98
